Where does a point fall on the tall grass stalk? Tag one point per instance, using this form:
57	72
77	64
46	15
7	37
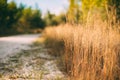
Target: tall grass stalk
92	51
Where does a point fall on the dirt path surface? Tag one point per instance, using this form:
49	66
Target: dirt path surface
13	44
21	60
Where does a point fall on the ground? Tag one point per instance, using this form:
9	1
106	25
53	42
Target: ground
20	59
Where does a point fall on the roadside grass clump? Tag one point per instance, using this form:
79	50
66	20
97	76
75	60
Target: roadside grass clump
39	41
90	51
53	42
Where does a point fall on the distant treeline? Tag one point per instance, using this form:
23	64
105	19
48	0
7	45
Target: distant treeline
14	19
21	19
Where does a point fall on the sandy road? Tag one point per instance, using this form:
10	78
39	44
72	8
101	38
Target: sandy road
20	61
13	44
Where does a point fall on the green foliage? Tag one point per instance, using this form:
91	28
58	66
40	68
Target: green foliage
115	4
90	7
8	16
49	19
3	12
73	13
61	19
81	10
15	19
12	14
52	19
3	5
36	20
19	19
30	21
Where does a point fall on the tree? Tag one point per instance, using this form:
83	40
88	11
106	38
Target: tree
50	19
12	14
114	4
101	6
8	16
3	12
61	19
91	7
31	19
36	20
73	11
9	13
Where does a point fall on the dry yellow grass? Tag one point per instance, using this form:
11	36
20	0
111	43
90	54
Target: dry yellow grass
92	51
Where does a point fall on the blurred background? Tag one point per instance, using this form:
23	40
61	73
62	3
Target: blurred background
28	16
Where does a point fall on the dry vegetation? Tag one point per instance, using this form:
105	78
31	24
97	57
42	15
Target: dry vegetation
91	51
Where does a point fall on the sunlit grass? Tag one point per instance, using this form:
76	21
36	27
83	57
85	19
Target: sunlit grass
39	41
91	50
